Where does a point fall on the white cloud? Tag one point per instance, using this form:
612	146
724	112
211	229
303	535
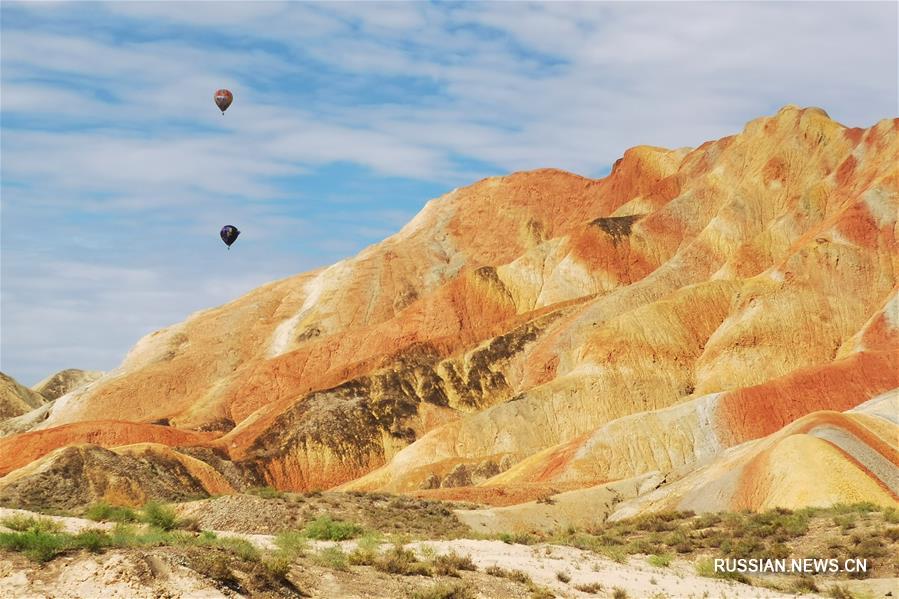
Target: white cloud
107	115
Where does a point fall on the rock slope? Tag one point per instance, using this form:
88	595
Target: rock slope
710	315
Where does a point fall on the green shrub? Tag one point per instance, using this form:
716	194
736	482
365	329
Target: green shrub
37	545
240	547
518	538
292	544
92	540
366	551
160	516
24	523
266	492
277	565
659	561
331	557
103	512
706	568
616	554
326	529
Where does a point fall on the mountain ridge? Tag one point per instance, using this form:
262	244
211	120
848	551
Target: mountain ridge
542	330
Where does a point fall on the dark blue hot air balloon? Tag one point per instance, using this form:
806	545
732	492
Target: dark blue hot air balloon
229	235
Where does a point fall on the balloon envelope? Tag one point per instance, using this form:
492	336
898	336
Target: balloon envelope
223	99
229	234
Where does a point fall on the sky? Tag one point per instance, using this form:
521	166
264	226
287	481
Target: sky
117	171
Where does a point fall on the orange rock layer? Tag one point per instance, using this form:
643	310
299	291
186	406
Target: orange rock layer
543	332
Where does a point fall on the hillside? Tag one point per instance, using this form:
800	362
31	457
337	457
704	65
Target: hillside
709	329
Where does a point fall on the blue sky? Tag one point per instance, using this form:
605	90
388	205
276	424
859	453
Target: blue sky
118	171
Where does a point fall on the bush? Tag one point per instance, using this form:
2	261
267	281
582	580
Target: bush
277	565
292	544
659	561
92	540
706	568
401	561
326	529
838	592
366	551
538	592
518	538
240	547
591	588
450	564
103	512
266	492
442	590
23	523
805	584
332	557
37	545
160	516
563	576
619	593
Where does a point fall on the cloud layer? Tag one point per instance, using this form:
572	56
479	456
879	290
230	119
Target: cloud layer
117	170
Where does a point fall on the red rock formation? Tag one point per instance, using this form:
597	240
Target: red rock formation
547	329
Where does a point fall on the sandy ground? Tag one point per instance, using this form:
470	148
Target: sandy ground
131	573
543	562
113	575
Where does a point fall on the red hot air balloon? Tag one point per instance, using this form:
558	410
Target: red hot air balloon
223	99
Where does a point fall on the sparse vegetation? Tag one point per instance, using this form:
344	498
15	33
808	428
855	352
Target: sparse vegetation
159	515
450	564
266	492
22	523
443	590
805	584
706	568
331	557
401	561
518	538
563	576
659	561
326	529
104	512
619	593
366	551
592	588
839	592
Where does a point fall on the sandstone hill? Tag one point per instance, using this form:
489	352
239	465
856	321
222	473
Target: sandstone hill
16	399
57	385
711	328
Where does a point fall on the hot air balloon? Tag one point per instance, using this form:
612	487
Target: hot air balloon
223	99
229	235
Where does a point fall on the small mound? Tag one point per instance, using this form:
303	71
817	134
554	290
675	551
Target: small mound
77	476
64	381
16	399
386	513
